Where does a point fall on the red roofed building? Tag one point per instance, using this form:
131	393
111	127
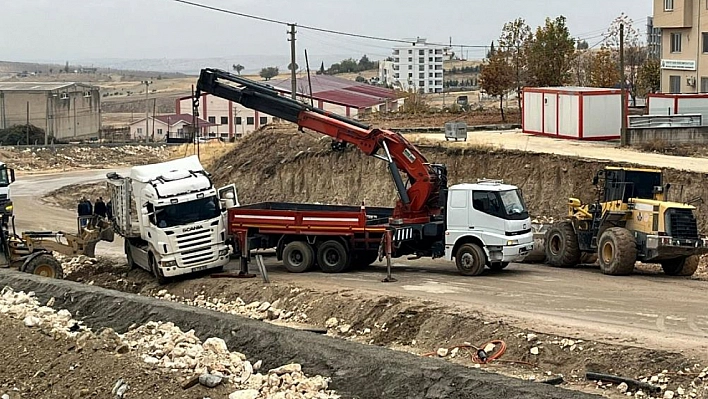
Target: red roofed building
176	125
341	96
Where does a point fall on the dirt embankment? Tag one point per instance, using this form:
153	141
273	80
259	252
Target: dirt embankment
438	119
283	165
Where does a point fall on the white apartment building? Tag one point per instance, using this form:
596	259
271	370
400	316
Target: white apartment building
418	67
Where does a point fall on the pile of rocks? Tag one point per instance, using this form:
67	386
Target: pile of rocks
72	264
254	310
167	348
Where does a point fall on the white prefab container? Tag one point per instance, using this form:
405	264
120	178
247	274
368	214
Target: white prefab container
673	104
582	113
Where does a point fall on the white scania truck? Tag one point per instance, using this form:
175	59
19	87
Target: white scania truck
7	177
171	217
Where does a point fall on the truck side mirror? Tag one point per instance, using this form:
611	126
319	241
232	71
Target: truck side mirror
12	175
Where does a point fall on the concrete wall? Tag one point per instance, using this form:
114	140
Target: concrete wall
65	114
670	135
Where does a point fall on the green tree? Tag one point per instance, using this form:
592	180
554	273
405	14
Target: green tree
66	67
322	69
238	68
491	50
514	39
269	72
550	53
604	71
635	53
649	77
497	78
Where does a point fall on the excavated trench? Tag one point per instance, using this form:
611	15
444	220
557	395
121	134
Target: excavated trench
357	371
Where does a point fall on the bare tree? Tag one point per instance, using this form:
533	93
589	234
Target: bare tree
634	51
513	41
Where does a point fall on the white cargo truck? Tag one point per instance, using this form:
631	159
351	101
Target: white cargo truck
171	217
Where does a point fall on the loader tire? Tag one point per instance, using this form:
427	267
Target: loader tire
298	257
617	251
681	266
470	260
46	266
561	244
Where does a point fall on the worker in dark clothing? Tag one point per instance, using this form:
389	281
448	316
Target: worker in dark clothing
109	210
99	208
84	210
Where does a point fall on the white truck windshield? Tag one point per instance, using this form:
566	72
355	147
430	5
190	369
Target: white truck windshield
187	212
4	177
513	202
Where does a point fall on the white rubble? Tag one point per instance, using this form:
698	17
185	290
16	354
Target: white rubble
167	348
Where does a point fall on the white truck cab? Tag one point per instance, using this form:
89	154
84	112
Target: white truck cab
488	224
171	217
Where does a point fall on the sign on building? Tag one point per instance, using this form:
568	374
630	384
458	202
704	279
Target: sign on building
681	65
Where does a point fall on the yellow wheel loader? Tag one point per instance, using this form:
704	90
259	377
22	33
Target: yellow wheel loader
630	221
31	251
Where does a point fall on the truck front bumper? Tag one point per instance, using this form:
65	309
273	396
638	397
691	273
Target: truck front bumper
509	253
171	268
663	247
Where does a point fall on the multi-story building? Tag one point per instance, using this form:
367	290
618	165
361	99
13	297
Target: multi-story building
418	67
684	45
653	40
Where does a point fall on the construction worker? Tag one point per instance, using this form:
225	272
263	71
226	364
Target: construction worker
84	210
99	208
109	210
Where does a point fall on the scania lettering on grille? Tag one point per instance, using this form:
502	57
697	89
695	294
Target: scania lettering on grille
192	228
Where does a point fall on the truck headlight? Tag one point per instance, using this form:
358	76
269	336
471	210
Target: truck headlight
169	263
8	208
512	242
224	252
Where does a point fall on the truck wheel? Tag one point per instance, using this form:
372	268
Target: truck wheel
161	279
562	248
470	260
298	257
129	255
617	252
681	266
332	257
46	266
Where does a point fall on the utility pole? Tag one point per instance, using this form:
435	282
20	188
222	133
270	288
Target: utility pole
623	132
293	76
28	126
147	84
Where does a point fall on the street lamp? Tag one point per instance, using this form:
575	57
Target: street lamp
147	84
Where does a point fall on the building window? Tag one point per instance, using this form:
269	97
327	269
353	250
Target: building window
140	130
704	84
238	120
421	83
410	67
263	120
212	119
421	75
224	120
430	59
668	5
410	59
421	60
430	75
410	51
675	84
159	131
675	42
249	120
705	41
180	131
421	52
410	75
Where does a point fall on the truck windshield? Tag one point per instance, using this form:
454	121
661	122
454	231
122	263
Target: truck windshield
514	205
187	212
502	204
4	178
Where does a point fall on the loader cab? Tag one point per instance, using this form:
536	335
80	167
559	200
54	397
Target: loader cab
621	184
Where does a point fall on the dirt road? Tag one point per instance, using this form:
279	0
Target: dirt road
644	310
515	140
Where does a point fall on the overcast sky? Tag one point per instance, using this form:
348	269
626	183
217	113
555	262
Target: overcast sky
78	30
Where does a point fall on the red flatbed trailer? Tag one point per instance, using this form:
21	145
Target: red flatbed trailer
334	237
